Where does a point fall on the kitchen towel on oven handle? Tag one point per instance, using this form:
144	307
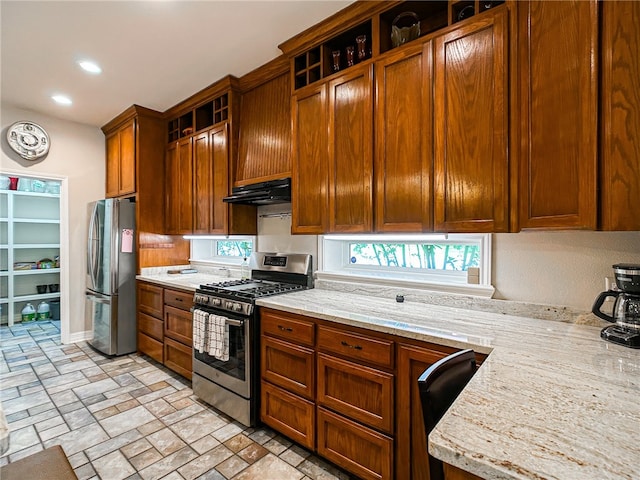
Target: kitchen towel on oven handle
200	320
218	337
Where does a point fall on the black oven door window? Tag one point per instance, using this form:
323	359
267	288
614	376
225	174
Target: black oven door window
236	365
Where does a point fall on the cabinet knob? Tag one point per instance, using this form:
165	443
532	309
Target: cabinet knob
285	329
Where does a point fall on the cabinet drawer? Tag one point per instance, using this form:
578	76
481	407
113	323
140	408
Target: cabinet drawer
288	327
150	346
355	346
364	452
288	366
150	299
361	393
178	324
150	326
178	299
178	357
288	414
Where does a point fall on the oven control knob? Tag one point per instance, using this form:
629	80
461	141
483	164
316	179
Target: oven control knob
216	302
228	305
237	307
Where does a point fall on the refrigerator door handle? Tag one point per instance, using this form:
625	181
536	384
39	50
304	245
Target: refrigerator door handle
115	242
91	253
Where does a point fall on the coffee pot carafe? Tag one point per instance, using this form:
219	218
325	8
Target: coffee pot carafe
626	308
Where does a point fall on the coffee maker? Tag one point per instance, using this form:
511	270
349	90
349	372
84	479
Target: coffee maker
626	309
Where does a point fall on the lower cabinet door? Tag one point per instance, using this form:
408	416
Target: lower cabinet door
288	414
288	366
360	450
178	324
362	393
178	357
150	346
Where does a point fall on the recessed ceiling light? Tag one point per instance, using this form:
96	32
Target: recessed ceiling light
90	67
61	99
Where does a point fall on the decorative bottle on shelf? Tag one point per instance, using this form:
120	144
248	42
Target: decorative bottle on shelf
245	271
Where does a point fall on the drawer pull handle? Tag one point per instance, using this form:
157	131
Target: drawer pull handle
345	344
178	299
285	329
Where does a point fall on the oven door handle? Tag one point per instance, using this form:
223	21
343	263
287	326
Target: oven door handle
230	321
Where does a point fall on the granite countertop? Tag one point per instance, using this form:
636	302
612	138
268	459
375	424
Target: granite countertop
552	400
183	281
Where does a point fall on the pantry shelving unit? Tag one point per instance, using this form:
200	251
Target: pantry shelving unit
29	232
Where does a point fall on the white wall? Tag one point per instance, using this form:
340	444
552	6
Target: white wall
553	268
77	152
559	268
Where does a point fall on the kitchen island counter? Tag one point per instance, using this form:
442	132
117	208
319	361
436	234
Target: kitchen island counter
552	400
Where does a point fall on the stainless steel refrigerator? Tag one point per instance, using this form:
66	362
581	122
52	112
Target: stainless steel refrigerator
110	303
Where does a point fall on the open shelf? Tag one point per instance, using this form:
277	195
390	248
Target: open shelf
204	116
29	233
335	55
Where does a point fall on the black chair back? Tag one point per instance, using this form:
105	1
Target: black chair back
439	386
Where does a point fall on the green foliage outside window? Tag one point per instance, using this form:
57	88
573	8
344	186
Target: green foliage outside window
455	257
234	248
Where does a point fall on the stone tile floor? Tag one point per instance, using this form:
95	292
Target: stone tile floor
130	418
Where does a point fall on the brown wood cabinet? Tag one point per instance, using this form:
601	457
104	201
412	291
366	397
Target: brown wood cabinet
471	192
179	215
558	88
310	176
121	160
165	328
351	151
333	166
361	450
404	140
264	143
620	121
150	304
288	375
348	393
210	180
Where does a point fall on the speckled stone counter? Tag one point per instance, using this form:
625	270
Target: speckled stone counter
186	281
552	400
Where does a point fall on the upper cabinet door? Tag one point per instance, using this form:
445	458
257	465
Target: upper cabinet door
121	161
620	127
351	151
202	183
309	161
127	173
184	186
404	141
557	47
113	165
219	145
471	115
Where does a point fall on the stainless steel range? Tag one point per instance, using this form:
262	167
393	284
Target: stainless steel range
226	352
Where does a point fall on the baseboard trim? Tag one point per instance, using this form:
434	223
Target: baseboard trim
77	337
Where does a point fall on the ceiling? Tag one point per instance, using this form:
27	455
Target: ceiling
152	53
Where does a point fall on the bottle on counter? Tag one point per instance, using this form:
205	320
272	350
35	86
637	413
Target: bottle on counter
245	271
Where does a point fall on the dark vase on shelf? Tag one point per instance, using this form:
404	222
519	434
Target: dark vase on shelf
361	42
336	60
350	50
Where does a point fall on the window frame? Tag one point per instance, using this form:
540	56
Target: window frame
440	280
215	259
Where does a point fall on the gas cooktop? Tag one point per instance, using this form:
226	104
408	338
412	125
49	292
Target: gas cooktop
249	289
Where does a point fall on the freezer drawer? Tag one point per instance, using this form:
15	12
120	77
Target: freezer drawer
102	312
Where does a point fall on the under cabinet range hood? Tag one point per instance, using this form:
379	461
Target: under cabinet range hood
263	193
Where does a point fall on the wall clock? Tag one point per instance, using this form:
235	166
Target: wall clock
28	139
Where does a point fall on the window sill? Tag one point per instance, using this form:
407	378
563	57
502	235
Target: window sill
483	291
